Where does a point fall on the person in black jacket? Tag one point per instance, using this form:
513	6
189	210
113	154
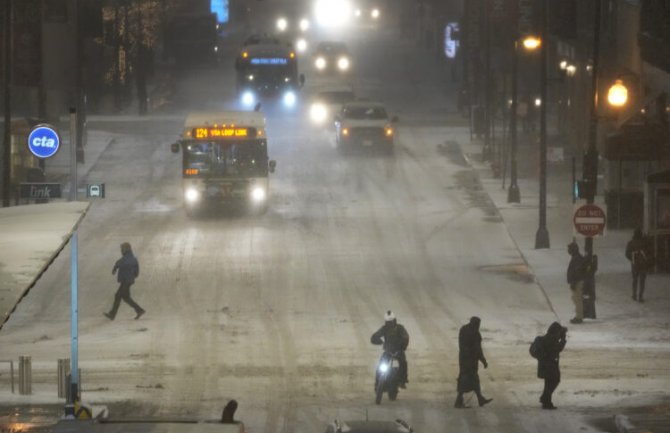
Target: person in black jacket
395	339
576	275
470	354
639	254
552	344
128	269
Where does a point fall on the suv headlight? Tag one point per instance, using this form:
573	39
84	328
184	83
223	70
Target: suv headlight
343	63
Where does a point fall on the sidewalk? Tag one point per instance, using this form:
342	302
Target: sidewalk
622	324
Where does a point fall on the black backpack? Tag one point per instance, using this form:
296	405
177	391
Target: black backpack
535	349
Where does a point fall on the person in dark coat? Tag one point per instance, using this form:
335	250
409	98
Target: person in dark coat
639	254
470	354
128	269
552	344
576	275
395	339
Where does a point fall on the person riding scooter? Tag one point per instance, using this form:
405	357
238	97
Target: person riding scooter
394	338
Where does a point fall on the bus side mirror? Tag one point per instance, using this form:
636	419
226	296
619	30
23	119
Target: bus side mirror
175	147
302	80
272	165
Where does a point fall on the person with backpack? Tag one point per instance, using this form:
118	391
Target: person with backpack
546	349
639	256
576	276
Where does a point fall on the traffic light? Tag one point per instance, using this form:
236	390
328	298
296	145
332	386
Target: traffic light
585	189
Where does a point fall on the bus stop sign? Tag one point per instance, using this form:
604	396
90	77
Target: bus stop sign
589	220
43	141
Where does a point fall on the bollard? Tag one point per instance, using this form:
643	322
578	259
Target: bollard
68	386
63	373
25	375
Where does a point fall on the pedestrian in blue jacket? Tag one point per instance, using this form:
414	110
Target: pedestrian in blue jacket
128	269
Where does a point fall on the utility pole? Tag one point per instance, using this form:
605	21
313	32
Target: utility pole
7	137
590	164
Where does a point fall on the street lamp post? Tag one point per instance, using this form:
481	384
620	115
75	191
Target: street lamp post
513	193
590	165
542	234
7	136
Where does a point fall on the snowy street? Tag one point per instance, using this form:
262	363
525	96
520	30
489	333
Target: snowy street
277	310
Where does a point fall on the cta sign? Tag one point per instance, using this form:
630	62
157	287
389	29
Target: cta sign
43	141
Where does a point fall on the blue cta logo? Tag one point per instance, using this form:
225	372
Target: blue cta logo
43	141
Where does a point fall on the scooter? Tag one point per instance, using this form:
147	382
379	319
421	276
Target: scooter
386	378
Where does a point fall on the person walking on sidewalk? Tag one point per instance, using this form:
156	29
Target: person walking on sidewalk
469	355
547	351
128	269
638	253
576	276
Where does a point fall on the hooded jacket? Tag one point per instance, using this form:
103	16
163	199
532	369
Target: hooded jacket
128	267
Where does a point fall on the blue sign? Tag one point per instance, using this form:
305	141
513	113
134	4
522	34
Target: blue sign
43	141
269	61
220	8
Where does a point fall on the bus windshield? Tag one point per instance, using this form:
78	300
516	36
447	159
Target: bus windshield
229	159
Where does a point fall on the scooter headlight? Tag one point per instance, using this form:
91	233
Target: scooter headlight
383	367
191	195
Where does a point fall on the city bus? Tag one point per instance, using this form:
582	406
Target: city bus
267	70
225	161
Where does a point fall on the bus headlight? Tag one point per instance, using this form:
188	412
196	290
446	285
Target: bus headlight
320	63
258	194
374	14
289	99
318	113
343	63
248	98
191	195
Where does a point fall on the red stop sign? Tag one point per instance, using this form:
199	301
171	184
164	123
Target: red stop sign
589	220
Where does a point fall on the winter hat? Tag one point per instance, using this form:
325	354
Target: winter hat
389	316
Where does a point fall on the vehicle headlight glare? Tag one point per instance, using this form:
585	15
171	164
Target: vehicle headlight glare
191	195
318	113
343	63
375	13
389	131
357	13
258	194
289	99
248	98
320	63
304	24
282	24
301	45
383	367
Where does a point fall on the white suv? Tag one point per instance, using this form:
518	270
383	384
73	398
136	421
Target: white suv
365	124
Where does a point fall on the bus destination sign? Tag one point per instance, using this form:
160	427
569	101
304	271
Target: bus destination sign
209	132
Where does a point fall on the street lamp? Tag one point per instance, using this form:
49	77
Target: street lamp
529	43
617	95
542	234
